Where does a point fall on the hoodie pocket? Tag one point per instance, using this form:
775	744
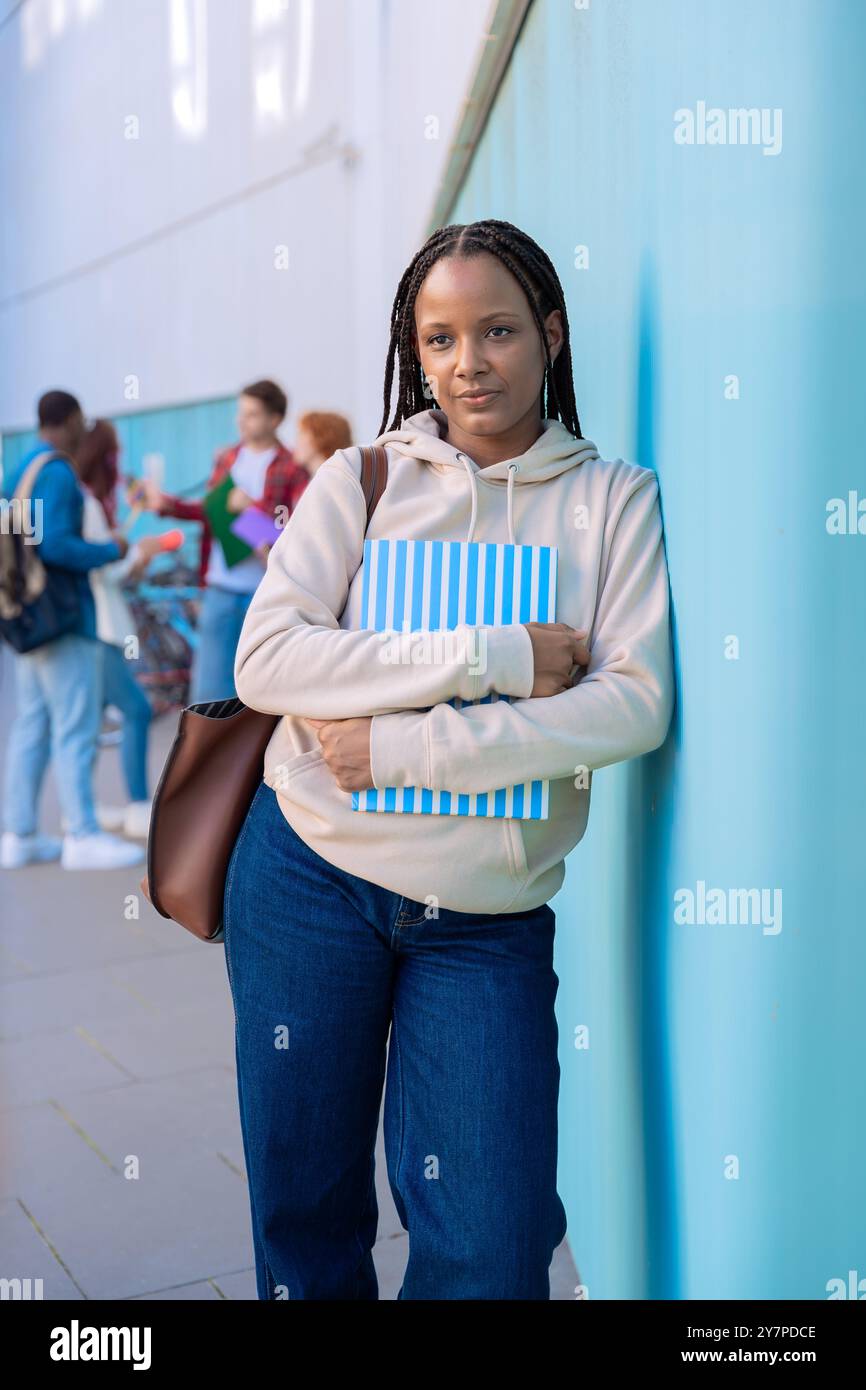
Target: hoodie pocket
282	773
520	867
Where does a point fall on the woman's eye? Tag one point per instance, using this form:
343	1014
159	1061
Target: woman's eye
437	339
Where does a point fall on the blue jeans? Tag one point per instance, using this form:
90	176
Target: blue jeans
120	688
58	712
321	964
221	618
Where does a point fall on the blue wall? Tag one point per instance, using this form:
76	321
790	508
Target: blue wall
705	262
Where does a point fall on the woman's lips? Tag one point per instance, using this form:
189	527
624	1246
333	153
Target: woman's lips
480	400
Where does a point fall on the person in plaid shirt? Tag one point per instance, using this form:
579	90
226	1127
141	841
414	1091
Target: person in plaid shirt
265	475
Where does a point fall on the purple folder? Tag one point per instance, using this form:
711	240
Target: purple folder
256	528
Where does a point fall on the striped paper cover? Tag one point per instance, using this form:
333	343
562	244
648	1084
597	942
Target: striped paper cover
412	586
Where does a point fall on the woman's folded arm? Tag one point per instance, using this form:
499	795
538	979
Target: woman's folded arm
294	658
620	709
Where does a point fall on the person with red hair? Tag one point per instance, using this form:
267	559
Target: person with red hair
97	467
318	435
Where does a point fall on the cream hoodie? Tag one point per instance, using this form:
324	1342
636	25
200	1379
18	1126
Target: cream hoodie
298	657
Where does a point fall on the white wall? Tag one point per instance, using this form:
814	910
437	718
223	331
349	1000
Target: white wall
148	264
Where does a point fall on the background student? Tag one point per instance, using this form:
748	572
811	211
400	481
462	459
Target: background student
318	435
59	685
97	468
265	474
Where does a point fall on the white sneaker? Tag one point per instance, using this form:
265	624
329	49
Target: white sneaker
136	822
109	817
99	851
18	850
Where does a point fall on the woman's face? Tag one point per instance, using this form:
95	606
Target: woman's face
479	346
303	448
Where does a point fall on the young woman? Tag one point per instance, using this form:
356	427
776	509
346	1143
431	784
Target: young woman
343	924
318	435
96	465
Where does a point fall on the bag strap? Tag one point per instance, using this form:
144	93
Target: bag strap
374	475
28	478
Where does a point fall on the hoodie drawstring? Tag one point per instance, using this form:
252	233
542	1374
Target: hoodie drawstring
513	468
474	486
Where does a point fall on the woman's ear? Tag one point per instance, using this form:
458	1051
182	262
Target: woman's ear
555	333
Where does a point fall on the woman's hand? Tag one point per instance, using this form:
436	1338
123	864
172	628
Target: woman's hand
346	746
144	493
145	550
557	651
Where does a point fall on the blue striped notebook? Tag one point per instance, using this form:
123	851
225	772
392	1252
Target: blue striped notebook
433	586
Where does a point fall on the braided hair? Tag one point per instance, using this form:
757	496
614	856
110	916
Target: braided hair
533	270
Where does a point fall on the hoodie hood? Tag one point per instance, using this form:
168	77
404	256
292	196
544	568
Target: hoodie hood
555	451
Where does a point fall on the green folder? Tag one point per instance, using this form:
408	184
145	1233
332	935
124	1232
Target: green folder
220	519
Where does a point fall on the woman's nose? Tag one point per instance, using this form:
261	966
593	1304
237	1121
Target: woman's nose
470	360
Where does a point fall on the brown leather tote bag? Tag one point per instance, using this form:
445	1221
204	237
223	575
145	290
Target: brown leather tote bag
211	775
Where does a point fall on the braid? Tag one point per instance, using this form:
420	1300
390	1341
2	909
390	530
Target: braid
537	277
